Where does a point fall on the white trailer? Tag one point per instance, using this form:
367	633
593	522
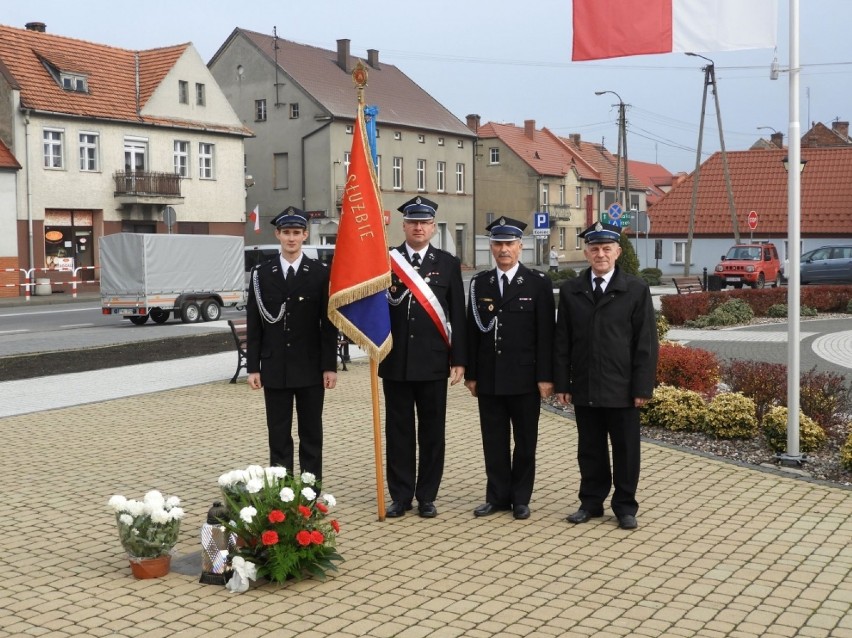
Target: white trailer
192	276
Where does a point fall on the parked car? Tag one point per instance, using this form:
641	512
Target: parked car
828	264
752	264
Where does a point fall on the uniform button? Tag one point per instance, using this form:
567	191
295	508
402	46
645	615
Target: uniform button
411	337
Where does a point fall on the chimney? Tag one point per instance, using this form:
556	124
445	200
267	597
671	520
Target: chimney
473	122
841	128
575	138
529	129
38	27
343	54
777	139
373	58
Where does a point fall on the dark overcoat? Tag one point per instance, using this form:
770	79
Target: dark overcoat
606	353
295	351
510	347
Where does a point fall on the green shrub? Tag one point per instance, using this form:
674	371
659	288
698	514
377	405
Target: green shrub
807	311
730	313
688	368
849	307
627	260
561	275
846	452
824	396
731	416
774	426
764	383
652	276
674	409
662	326
777	311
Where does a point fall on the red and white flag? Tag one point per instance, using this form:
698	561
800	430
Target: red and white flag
618	28
255	215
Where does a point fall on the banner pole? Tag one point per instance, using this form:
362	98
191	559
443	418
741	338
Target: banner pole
377	438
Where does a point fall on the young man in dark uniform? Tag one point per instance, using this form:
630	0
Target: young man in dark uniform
292	346
426	301
510	329
606	365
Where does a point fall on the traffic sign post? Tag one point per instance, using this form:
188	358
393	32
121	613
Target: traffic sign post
541	224
752	220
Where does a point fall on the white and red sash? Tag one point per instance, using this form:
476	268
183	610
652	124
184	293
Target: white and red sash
423	293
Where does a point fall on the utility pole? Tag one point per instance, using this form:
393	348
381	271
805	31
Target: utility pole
709	80
622	148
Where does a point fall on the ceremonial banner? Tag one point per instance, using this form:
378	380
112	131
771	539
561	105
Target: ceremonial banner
360	271
618	28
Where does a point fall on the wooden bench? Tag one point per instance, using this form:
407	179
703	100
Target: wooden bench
239	331
688	284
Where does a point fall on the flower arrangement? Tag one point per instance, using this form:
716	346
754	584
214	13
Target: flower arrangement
281	524
147	528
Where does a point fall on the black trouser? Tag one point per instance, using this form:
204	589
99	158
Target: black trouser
510	474
429	399
621	427
279	420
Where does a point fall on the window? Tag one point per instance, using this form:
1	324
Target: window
397	135
89	151
281	168
135	154
421	139
578	197
71	82
205	160
260	110
545	197
460	144
181	158
578	243
494	155
350	129
679	252
379	171
562	194
53	139
183	91
440	141
199	94
562	238
421	175
294	111
489	218
347	160
441	177
397	173
459	177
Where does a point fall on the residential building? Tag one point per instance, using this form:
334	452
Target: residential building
522	170
759	183
9	269
113	140
302	103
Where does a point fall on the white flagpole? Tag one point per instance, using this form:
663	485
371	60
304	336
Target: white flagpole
792	456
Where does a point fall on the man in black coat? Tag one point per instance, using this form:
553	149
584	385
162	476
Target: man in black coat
606	364
510	331
292	346
426	301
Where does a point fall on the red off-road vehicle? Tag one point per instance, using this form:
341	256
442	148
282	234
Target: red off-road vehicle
752	264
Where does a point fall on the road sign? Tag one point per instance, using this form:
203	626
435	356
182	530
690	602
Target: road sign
752	219
541	224
614	211
623	221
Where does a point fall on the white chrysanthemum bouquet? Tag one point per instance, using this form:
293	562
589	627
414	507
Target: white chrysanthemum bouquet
147	528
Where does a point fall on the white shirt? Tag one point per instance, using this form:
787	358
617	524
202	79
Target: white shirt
509	273
286	264
605	281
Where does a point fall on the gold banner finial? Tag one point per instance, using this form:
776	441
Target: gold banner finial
359	75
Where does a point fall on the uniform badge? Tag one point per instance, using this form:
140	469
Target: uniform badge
426	279
393	288
490	307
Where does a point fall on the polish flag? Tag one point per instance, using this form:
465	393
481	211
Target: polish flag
255	215
618	28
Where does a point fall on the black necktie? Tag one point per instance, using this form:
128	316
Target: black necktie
598	288
290	273
505	279
415	261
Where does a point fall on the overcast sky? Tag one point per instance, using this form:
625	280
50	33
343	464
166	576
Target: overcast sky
510	61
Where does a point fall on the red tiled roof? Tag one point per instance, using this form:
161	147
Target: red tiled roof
543	152
653	176
110	74
400	100
7	159
759	183
603	162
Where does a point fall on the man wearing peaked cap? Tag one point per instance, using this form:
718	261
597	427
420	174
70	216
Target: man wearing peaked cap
291	350
605	364
510	328
426	301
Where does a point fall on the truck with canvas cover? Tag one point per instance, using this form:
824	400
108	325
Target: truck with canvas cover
190	276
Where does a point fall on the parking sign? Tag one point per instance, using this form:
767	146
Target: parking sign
541	224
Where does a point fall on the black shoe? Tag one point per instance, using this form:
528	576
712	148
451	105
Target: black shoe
427	510
487	509
397	509
582	516
627	521
521	512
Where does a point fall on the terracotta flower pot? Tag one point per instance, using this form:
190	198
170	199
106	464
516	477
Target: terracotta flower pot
150	567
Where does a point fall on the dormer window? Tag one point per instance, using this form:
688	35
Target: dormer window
71	82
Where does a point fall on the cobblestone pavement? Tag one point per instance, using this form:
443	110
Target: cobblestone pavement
722	550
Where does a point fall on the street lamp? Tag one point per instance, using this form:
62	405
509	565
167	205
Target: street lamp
769	127
622	146
793	456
